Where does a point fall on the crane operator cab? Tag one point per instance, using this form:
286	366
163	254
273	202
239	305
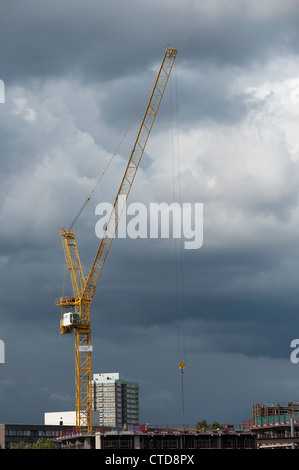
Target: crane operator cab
70	319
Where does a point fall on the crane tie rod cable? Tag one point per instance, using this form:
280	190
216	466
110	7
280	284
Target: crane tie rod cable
108	164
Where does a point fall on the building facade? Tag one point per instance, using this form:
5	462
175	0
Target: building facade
29	433
265	414
116	400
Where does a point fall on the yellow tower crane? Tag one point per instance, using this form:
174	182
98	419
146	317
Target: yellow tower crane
75	310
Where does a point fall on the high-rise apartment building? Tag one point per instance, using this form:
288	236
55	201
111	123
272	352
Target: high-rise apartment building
116	400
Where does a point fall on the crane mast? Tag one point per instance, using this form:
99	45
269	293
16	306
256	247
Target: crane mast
75	310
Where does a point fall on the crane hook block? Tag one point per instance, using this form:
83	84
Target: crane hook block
182	365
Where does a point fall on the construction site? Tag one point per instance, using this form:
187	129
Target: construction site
112	423
149	226
267	428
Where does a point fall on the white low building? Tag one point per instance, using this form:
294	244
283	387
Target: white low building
67	418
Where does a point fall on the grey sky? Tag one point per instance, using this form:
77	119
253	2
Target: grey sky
75	74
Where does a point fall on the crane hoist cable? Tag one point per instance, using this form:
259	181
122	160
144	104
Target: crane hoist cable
182	367
110	161
178	247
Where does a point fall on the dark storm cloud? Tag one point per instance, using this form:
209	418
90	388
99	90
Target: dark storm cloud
73	71
226	297
98	40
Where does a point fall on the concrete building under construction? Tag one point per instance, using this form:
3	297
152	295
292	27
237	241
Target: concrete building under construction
270	413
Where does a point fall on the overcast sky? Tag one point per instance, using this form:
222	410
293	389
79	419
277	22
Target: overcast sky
75	74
